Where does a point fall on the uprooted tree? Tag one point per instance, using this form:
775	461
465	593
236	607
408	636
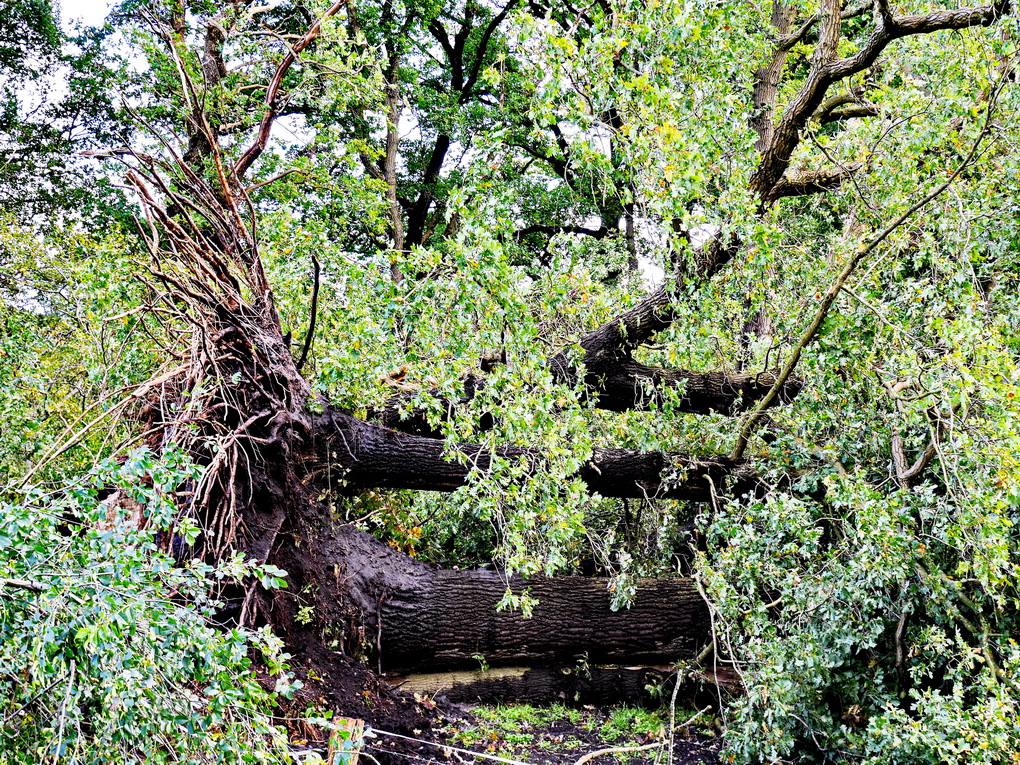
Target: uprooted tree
564	116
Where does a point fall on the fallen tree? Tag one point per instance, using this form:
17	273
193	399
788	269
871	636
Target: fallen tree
278	455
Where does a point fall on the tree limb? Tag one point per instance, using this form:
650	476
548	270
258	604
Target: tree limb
805	182
624	386
313	311
596	233
833	292
254	151
827	69
363	455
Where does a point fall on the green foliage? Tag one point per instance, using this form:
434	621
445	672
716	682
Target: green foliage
869	620
632	724
105	652
57	97
72	345
523	731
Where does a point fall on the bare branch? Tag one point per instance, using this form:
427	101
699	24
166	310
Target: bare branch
254	151
892	28
314	311
23	584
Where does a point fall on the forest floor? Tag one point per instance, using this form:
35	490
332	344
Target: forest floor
557	735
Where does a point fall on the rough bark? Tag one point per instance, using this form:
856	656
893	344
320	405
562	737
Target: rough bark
616	381
370	599
617	385
828	69
449	619
807	182
628	384
766	79
356	455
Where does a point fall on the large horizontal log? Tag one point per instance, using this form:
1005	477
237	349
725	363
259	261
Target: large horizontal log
628	384
448	620
415	618
619	386
362	455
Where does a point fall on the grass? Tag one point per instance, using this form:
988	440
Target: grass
628	722
560	734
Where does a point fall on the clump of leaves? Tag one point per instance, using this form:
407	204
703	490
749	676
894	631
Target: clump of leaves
106	653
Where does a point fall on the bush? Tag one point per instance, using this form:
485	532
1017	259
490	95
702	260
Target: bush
106	652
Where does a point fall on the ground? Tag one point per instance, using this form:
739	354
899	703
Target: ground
557	735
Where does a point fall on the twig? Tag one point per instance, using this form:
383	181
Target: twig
262	138
22	584
65	442
274	179
370	733
697	714
672	716
617	750
63	715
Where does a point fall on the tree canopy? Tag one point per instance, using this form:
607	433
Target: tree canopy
711	303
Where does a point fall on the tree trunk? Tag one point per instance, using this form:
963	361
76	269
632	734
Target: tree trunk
362	598
358	455
368	598
448	620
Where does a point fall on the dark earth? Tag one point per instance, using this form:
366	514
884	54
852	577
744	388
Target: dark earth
556	735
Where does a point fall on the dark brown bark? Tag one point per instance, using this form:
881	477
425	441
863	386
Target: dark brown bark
766	79
367	598
449	619
417	618
827	69
636	326
616	386
419	212
807	182
358	455
628	384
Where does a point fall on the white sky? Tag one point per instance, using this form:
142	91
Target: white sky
91	12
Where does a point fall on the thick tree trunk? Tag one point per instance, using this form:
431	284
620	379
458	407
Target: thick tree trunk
358	455
364	598
448	620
